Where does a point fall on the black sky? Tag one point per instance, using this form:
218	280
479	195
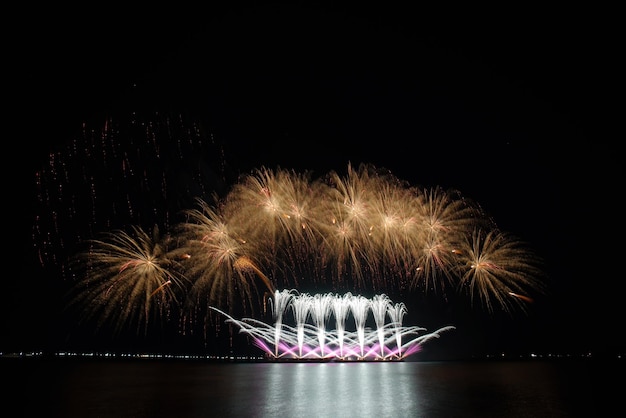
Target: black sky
514	108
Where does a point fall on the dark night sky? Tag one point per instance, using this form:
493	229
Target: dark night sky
514	108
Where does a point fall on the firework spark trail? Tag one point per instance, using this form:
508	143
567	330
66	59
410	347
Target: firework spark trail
122	172
499	267
396	315
221	260
382	343
359	306
340	309
445	218
280	302
300	307
363	230
380	305
348	235
372	222
394	222
320	309
128	270
278	210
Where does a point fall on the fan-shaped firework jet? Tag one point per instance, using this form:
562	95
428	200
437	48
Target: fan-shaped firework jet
387	341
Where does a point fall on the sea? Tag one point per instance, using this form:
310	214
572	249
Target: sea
152	388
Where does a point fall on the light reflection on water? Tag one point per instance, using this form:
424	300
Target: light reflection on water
338	389
146	388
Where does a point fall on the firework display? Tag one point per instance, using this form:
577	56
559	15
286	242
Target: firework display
311	339
139	219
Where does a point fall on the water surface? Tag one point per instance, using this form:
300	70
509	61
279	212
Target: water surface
158	388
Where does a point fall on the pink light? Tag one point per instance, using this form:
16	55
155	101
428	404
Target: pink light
386	342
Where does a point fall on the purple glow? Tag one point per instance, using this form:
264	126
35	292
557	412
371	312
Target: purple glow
388	341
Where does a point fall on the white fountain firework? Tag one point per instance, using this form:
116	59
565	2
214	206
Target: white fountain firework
387	341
